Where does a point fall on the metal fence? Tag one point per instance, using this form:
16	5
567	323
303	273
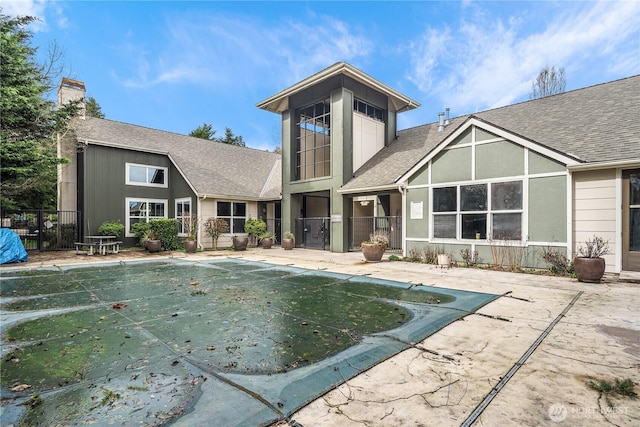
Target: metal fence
313	233
360	229
44	230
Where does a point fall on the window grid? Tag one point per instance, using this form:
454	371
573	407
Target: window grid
183	215
143	210
313	141
235	213
478	211
368	110
146	175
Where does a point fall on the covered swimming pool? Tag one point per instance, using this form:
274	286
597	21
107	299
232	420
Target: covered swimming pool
142	342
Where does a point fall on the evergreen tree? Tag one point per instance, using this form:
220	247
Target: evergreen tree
93	109
230	138
29	122
205	131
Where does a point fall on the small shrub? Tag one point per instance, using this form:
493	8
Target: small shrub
216	227
289	235
394	258
469	257
167	229
430	255
415	255
594	248
111	228
379	238
557	262
255	228
140	230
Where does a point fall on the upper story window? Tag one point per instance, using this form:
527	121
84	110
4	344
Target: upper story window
368	109
478	211
313	141
145	175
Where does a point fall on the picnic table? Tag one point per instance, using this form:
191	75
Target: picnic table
98	244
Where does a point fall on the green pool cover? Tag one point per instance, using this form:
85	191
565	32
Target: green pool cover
227	342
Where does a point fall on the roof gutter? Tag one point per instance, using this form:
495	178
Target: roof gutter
633	163
368	189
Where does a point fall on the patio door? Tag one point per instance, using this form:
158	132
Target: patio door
631	220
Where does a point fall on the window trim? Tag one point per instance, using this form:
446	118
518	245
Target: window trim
300	165
488	212
178	218
231	217
127	217
128	181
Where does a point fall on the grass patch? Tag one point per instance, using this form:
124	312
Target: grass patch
622	387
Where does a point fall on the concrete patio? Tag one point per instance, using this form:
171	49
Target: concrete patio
533	351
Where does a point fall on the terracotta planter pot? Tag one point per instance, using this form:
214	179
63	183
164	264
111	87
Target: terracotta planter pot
287	244
240	243
267	242
190	246
154	245
589	270
372	252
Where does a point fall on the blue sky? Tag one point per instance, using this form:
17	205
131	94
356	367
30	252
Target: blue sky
176	65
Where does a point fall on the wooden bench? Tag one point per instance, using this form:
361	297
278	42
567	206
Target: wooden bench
81	248
109	247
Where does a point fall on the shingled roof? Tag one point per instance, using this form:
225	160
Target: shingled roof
595	124
213	169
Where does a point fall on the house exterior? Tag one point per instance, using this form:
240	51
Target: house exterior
503	185
499	186
132	173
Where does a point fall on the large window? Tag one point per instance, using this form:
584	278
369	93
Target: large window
143	210
478	211
144	175
235	213
183	216
313	141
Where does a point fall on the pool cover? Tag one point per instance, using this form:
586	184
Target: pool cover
227	342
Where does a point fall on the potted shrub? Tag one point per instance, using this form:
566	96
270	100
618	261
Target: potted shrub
288	240
191	229
266	239
214	228
373	249
255	228
152	240
589	264
444	259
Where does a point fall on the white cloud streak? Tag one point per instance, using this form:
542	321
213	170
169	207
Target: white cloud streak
487	63
226	50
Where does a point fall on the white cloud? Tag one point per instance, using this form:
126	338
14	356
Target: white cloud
227	50
491	62
35	8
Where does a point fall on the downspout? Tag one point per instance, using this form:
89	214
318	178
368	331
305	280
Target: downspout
199	236
402	188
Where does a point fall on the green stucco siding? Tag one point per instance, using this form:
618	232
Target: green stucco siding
465	138
499	159
421	177
418	228
452	165
548	209
483	135
541	164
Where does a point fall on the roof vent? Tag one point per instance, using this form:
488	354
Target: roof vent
446	117
440	122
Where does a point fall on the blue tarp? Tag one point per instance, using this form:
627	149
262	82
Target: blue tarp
11	249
